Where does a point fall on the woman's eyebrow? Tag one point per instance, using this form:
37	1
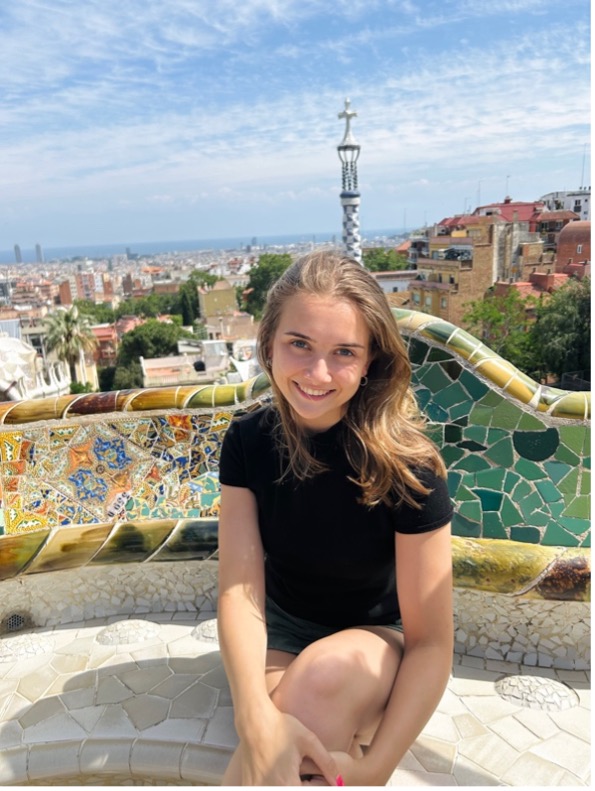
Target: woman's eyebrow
301	335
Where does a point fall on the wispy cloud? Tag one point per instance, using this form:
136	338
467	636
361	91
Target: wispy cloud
159	103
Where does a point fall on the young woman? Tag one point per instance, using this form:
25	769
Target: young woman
335	614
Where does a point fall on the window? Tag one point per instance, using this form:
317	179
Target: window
428	301
416	299
443	302
579	248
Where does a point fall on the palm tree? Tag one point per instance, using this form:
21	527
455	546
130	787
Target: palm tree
69	335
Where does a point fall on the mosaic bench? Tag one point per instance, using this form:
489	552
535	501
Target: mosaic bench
128	480
109	669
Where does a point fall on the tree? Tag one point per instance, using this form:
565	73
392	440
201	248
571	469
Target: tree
502	323
562	330
98	314
70	336
270	267
383	259
151	339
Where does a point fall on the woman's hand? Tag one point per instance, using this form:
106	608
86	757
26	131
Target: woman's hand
273	757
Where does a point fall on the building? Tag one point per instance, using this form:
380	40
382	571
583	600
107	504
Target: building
574	249
577	201
106	350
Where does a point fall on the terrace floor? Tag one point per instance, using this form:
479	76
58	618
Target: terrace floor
144	701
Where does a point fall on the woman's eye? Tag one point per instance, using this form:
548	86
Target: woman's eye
345	352
299	344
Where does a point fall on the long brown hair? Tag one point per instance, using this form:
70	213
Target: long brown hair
384	438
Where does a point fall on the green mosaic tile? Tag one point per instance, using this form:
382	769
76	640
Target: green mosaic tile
565	455
501	453
507	415
439	331
481	415
417	351
569	484
587	463
576	526
585	487
573	437
493	527
528	535
474	386
436	413
529	470
462	421
556	536
463	493
490	500
510	481
464	527
422	396
530	504
580	507
472	464
496	434
471	445
539	519
452	368
536	445
461	410
556	470
556	509
510	513
477	433
586	541
492	398
522	489
453	480
470	510
530	423
437	354
453	433
435	432
451	454
548	491
451	395
434	378
491	479
469	479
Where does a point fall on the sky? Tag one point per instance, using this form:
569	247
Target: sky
147	120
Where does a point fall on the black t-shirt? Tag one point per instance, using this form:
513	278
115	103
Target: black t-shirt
328	558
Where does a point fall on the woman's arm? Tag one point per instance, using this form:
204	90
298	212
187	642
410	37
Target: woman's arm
424	583
272	744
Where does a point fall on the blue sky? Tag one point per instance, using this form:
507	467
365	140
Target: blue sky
143	120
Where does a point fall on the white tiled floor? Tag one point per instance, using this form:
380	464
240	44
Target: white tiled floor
158	712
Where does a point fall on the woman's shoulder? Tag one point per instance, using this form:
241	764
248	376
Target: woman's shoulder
253	425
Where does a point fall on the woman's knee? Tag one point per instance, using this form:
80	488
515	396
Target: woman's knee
319	678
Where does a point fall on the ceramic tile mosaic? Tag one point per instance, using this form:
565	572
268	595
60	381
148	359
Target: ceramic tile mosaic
518	461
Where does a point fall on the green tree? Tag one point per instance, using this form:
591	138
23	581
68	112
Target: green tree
98	314
151	339
383	259
270	267
129	377
503	323
70	336
562	330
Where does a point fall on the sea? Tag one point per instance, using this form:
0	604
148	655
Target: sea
233	243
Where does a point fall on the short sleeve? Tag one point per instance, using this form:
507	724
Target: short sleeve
436	507
232	468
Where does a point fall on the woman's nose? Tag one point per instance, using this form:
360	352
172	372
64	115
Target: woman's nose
319	370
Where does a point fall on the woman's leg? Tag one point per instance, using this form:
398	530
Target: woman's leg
338	687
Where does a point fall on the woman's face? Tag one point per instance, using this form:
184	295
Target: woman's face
319	353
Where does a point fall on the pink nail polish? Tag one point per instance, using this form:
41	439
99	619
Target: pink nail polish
340	781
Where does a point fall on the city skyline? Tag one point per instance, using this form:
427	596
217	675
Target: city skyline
151	121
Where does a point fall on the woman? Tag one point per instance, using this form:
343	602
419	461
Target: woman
335	613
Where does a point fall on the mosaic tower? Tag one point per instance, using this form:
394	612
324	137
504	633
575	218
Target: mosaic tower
348	150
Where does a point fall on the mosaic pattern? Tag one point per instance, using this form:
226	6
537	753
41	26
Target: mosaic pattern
117	468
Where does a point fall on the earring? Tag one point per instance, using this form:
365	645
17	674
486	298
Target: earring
364	381
268	362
